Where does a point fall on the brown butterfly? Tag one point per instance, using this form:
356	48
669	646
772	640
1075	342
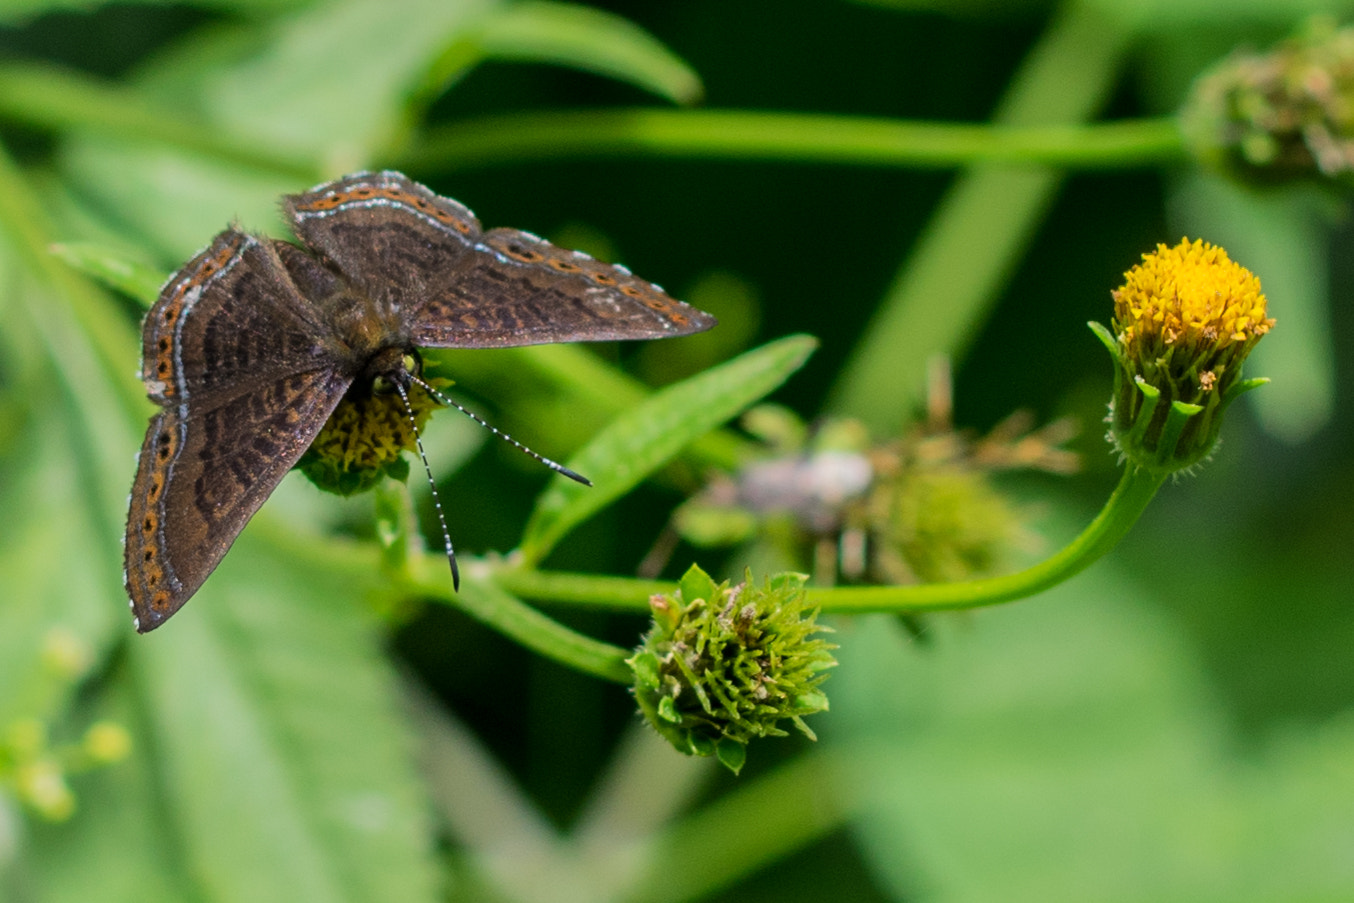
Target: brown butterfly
254	342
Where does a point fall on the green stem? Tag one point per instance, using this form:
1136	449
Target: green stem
490	593
788	137
582	590
490	604
47	97
1121	511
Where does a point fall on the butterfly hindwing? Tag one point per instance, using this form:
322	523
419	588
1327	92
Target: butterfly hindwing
242	398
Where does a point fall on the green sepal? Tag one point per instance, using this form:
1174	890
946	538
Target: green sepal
731	754
696	584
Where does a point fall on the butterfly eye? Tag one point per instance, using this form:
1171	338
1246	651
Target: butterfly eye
412	363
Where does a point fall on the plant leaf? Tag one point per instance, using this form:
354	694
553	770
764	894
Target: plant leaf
276	740
593	40
645	438
1082	723
118	846
113	269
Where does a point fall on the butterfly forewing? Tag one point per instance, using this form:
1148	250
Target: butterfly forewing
459	287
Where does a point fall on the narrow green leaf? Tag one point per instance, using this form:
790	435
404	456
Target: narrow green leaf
645	438
50	97
590	39
113	269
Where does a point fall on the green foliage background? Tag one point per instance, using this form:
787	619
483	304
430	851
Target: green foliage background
1174	724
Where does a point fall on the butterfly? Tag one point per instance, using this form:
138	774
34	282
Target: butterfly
253	344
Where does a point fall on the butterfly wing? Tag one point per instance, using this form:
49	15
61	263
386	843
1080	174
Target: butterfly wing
457	286
239	362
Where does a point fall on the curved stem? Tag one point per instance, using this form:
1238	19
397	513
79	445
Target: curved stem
752	134
1121	511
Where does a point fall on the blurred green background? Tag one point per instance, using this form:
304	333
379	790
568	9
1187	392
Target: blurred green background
1175	724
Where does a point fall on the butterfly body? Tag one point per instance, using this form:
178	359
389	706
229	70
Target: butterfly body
254	342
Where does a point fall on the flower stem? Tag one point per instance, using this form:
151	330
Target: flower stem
1121	511
491	604
582	590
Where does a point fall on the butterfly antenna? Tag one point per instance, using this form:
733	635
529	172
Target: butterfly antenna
437	501
553	465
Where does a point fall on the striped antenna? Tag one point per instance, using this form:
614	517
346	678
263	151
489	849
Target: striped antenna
553	465
437	502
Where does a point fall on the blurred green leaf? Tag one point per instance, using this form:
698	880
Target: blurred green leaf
1048	751
569	34
645	438
276	738
119	841
113	269
61	100
61	584
563	34
306	87
315	86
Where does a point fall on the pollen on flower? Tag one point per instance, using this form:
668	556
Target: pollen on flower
1191	297
363	439
1185	320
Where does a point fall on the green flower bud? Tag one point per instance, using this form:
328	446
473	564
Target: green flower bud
724	664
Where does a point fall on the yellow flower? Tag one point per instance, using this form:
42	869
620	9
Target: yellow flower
363	439
1184	321
106	742
1189	306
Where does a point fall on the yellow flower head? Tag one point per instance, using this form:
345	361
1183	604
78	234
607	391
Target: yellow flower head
1184	321
1190	305
363	439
